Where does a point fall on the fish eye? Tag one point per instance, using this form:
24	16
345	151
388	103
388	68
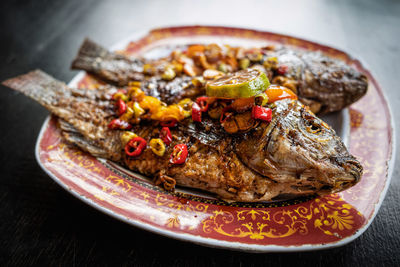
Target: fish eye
313	127
311	124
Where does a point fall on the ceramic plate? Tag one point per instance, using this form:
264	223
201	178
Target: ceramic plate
300	224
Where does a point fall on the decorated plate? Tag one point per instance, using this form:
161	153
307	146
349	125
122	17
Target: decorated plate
190	215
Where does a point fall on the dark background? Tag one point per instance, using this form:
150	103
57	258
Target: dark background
41	224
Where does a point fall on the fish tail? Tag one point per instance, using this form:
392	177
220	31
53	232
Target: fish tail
108	66
84	118
39	86
88	55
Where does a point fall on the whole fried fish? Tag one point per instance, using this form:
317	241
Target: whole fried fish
323	83
296	154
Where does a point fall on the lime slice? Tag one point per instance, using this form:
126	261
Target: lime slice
240	84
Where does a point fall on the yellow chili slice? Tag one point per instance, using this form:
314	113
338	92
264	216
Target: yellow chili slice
127	136
241	84
157	146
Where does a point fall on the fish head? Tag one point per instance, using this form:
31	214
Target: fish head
300	151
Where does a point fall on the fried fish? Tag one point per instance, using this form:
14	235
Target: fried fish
296	154
323	83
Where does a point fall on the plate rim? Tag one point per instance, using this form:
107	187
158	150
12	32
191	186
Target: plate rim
232	245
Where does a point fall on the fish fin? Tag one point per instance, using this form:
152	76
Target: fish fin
73	136
108	66
88	111
38	85
87	55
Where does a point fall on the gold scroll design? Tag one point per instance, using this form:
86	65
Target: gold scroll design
163	202
116	181
177	207
118	186
126	187
70	158
328	214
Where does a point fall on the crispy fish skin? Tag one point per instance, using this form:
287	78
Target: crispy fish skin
325	84
279	160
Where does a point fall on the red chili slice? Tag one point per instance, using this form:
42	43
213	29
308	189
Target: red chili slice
203	103
135	146
179	154
261	113
196	112
119	124
171	123
121	105
227	112
166	136
282	69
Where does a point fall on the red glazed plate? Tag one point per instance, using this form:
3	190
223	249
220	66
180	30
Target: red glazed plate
295	225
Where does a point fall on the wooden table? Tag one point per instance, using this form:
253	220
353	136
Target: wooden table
41	224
